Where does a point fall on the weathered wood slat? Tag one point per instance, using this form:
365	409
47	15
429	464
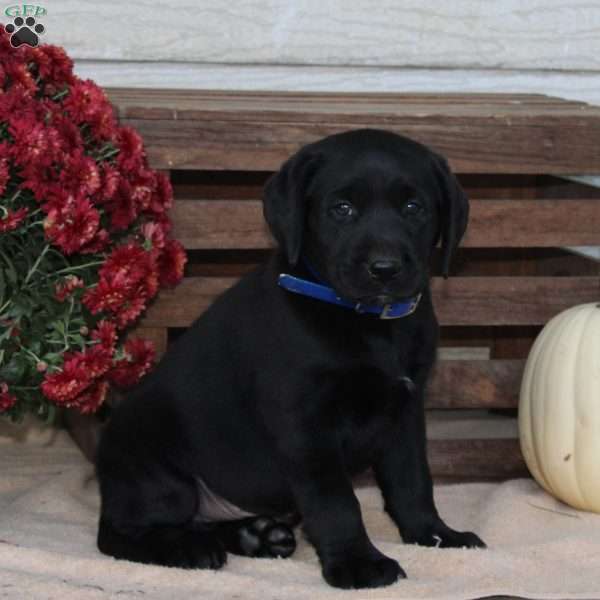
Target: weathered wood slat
188	104
486	458
258	131
458	300
469	459
555	144
233	224
475	384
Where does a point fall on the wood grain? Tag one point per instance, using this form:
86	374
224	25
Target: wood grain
239	224
475	384
258	131
484	458
458	300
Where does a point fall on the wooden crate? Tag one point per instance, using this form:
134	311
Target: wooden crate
510	277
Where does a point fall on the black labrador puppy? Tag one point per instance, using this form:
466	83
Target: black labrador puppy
308	371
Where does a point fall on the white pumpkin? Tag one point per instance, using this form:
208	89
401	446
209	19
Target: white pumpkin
559	407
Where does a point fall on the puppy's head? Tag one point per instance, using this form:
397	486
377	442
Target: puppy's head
365	208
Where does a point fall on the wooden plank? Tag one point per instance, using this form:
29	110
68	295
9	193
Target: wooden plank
231	224
258	131
179	104
458	300
248	185
548	144
485	458
475	384
509	300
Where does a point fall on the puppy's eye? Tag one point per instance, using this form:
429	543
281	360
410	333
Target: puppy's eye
412	208
343	210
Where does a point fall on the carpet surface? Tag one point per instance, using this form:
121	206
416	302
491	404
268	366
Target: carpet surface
538	547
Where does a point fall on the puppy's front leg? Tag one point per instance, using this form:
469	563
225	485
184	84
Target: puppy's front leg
402	473
331	513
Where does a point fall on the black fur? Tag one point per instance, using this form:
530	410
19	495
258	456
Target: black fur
276	399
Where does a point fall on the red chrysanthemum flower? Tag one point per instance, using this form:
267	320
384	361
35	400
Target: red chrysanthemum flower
4	175
19	75
80	174
171	263
132	309
109	294
154	235
73	225
93	397
65	287
106	334
130	260
63	386
12	219
70	135
110	177
96	359
87	103
35	144
4	41
15	101
142	185
131	150
7	400
162	198
122	208
98	243
54	67
139	358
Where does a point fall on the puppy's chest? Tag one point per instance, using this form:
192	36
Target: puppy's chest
367	405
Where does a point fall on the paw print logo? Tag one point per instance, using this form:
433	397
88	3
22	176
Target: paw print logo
24	31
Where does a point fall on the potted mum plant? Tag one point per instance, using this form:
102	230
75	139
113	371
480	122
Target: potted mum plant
84	239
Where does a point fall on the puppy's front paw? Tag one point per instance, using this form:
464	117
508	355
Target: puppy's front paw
441	536
363	572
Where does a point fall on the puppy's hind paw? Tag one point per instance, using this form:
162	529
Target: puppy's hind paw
193	548
259	537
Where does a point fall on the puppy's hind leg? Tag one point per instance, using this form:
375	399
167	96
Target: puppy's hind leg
258	537
150	519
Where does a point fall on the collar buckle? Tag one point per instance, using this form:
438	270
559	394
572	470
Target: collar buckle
385	313
388	308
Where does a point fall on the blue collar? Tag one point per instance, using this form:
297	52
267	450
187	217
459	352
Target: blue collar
297	285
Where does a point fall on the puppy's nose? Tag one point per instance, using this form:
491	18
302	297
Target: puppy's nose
384	270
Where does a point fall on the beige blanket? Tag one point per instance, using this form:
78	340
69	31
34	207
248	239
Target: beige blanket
538	548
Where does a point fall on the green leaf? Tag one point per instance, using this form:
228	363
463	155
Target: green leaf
2	286
58	326
14	371
53	358
78	339
22	305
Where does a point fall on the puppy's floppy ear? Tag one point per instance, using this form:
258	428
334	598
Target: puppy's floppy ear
285	200
453	211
